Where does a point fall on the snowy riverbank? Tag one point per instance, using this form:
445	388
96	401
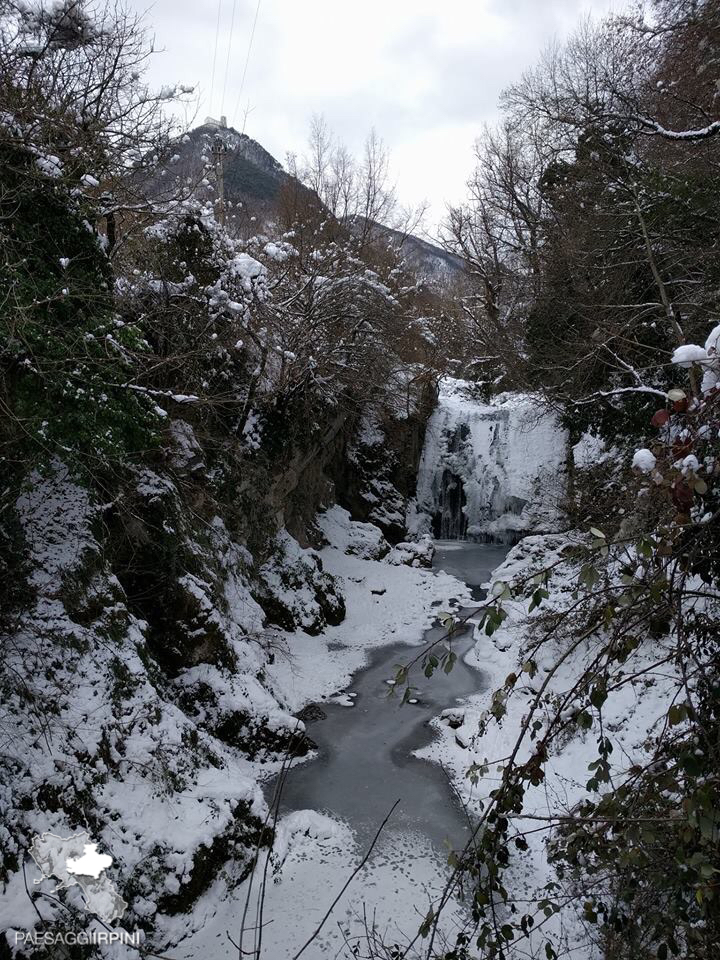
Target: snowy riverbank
471	737
183	840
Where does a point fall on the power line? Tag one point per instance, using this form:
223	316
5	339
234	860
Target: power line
217	35
227	62
247	60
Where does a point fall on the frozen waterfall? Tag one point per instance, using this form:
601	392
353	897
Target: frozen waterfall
489	471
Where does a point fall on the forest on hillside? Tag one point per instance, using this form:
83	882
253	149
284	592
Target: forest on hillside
185	389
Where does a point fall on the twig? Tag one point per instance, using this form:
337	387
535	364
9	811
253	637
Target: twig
350	879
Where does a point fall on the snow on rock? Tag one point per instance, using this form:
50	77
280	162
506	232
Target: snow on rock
173	760
489	469
116	743
589	451
305	823
353	537
295	591
384	604
373	466
413	554
56	517
365	540
186	455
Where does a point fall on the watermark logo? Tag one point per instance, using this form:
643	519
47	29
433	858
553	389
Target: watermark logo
75	861
95	938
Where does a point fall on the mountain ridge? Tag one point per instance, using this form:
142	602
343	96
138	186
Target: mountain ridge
255	178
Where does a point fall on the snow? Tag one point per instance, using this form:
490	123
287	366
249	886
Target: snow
709	381
708	357
364	540
700	133
247	269
50	165
153	827
306	823
402	876
712	344
689	354
186	453
689	464
131	751
644	460
384	604
589	451
279	252
55	514
415	554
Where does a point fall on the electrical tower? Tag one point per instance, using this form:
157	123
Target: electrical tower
219	149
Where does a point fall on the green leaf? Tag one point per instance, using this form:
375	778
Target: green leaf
427	924
537	599
589	575
450	662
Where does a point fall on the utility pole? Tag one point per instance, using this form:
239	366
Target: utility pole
219	150
107	211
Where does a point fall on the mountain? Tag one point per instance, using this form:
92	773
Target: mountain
252	175
423	257
254	180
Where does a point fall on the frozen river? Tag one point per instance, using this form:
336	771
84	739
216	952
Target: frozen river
366	759
363	765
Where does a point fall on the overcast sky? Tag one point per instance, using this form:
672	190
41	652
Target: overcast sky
425	73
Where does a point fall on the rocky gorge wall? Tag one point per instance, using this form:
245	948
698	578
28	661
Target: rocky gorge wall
141	644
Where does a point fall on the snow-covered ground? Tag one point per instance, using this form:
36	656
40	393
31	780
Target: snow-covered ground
391	894
386	602
390	597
